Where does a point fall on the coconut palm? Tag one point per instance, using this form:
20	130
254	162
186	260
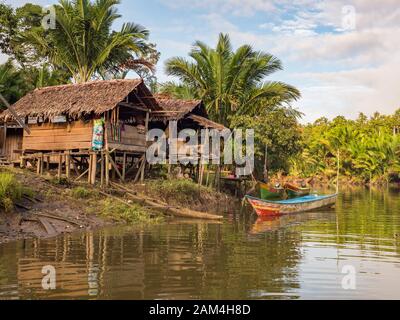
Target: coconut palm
231	82
83	41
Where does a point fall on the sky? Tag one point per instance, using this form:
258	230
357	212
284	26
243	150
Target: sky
341	54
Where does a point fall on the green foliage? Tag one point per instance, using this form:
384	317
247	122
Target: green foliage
16	82
130	214
229	82
10	190
14	23
85	44
276	129
183	191
369	148
83	193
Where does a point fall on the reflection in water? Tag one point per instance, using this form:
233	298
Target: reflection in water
297	256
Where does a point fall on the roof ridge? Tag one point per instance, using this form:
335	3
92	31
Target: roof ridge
87	83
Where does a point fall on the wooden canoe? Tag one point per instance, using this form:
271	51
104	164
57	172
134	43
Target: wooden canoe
295	191
271	192
295	205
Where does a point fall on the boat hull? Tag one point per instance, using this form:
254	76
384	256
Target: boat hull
268	192
295	191
303	204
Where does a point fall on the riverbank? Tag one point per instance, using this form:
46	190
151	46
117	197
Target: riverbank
323	180
52	207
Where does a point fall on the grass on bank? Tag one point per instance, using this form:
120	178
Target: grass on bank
10	191
130	214
109	208
183	191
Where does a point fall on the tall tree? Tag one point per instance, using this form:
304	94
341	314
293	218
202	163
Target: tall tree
84	43
230	82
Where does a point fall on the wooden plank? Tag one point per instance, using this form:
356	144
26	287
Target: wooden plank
128	148
51	231
50	138
68	126
58	132
56	146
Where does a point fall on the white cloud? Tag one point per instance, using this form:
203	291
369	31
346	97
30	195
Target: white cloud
341	72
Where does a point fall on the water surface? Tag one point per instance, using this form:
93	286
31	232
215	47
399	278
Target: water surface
291	257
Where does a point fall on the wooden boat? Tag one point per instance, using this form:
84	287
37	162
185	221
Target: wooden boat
294	205
271	192
295	191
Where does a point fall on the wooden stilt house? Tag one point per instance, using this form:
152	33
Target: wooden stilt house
188	114
84	127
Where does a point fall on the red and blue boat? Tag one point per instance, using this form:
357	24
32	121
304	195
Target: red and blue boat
301	204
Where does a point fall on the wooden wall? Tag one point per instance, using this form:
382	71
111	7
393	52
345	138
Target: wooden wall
13	143
59	136
131	140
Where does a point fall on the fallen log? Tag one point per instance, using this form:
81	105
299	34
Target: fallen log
165	208
50	216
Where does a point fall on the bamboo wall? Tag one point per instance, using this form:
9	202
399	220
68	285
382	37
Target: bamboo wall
59	136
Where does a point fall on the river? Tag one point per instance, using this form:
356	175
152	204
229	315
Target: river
349	252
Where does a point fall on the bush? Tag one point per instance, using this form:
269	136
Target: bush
10	190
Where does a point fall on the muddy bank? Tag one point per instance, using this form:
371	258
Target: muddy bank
50	212
63	207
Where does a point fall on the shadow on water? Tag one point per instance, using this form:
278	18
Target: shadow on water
296	256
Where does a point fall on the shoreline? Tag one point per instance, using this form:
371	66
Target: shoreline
65	207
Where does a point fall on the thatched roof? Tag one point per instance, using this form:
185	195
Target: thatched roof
176	109
206	123
78	99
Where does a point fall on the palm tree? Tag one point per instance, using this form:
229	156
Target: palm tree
231	82
83	42
11	82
